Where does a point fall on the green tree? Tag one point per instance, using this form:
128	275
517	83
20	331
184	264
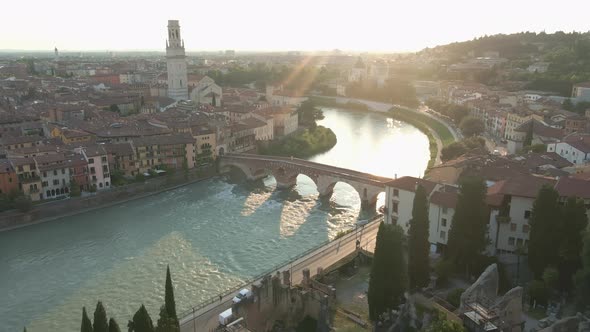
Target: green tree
74	189
442	324
388	279
309	113
418	245
551	277
467	236
166	323
142	322
114	108
545	229
574	224
471	126
86	323
582	277
113	326
100	319
454	297
538	292
170	304
443	269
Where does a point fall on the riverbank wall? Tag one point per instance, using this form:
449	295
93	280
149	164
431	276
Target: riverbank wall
67	207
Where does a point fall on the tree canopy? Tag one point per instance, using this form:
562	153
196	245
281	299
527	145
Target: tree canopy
100	319
467	236
471	126
86	325
545	229
418	245
388	279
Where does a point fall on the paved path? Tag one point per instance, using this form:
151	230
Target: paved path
206	318
341	172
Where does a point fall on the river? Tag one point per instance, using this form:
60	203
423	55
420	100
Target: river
213	234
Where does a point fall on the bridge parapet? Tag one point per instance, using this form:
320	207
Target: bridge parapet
286	169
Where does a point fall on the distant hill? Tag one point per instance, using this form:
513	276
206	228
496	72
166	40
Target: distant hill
567	54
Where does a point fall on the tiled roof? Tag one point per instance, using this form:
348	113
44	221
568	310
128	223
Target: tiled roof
408	183
522	186
570	187
446	199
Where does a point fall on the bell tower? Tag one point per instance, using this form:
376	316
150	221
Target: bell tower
176	63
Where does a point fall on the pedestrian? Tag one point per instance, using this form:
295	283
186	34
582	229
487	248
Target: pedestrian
220	298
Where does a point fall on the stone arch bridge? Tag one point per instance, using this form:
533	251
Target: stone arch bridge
286	169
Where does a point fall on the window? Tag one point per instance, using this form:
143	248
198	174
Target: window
511	241
513	227
519	242
91	160
443	221
106	184
92	170
44	174
394	209
45	184
444	210
525	228
527	214
104	159
54	172
100	185
443	235
63	171
395	193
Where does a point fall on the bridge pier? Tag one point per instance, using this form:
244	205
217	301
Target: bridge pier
368	204
285	179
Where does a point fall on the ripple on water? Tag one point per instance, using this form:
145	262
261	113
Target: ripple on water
213	234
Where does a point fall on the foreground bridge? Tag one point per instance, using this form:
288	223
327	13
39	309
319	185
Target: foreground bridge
285	170
204	317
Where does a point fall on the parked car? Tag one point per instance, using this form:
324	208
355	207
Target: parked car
242	295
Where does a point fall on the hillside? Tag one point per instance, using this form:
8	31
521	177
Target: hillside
563	58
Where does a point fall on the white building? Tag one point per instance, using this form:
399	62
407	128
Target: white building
55	175
176	63
98	166
574	147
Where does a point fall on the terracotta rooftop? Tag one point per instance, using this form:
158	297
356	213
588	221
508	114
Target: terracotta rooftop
522	186
409	183
570	187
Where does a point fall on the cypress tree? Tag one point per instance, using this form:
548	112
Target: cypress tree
467	236
169	298
100	319
574	223
545	230
582	278
113	326
142	322
86	323
388	279
166	323
418	245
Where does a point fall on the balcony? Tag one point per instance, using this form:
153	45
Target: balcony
32	179
503	219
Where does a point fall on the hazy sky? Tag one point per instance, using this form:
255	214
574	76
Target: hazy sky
376	25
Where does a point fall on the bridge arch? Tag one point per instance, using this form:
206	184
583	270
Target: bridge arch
285	171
